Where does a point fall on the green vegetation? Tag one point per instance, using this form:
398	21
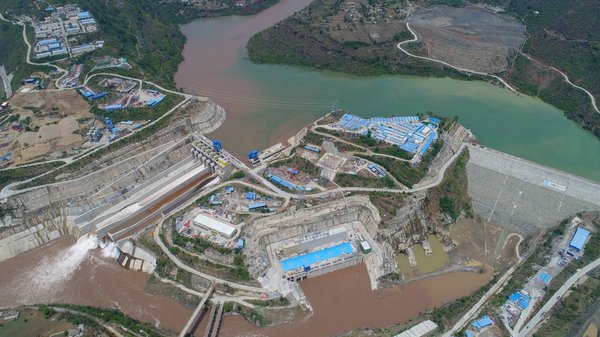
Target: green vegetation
237	175
13	52
23	173
591	253
355	180
573	311
386	203
112	316
562	34
445	315
276	302
404	172
300	163
145	113
197	245
451	195
538	257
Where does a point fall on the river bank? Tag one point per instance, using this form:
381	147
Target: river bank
343	301
267	104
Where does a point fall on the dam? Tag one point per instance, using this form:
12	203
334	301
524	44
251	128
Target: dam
525	196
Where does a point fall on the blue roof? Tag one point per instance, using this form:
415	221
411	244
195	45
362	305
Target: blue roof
579	238
482	322
545	277
428	143
469	333
240	243
523	303
250	195
314	257
514	297
257	205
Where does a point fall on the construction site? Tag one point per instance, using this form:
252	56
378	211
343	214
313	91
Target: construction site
179	207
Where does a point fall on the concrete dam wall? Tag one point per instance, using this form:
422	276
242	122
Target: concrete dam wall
40	214
524	196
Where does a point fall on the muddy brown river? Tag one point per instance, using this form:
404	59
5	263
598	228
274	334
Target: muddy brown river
65	271
343	301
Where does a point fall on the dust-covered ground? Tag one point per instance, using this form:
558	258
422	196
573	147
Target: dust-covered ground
44	124
468	37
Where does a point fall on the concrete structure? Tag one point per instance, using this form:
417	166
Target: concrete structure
422	329
94	192
322	238
517	194
215	225
203	150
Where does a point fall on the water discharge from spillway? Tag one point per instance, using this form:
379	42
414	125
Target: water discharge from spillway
42	282
68	270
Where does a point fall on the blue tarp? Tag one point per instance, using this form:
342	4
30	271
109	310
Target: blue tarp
579	238
321	255
156	100
545	277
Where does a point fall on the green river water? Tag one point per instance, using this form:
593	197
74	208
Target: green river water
269	103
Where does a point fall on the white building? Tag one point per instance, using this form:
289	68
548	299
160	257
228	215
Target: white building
214	225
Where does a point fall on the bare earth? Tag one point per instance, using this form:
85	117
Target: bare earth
468	37
57	114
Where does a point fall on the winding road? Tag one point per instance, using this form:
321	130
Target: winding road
566	78
416	38
185	267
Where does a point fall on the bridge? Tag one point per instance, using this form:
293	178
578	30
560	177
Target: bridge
194	320
214	320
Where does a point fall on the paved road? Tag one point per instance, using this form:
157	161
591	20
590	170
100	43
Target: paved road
6	79
540	316
285	194
473	311
196	272
592	98
415	38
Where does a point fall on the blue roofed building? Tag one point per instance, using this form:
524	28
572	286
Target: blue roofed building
250	195
469	333
482	323
579	238
257	206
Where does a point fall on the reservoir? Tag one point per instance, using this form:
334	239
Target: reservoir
267	104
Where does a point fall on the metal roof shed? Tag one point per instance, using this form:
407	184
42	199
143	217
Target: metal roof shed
579	238
215	225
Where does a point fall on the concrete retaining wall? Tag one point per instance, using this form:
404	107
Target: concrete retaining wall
43	213
511	192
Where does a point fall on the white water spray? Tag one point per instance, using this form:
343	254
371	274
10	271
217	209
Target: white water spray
43	281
